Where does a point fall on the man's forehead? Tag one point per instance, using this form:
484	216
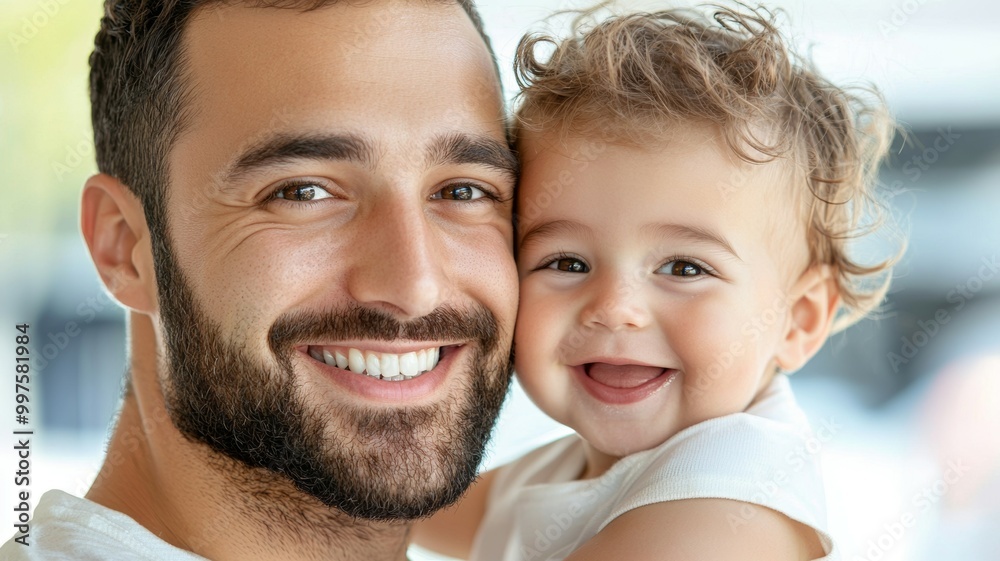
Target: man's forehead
395	73
356	28
246	53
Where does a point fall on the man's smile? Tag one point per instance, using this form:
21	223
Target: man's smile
409	376
382	365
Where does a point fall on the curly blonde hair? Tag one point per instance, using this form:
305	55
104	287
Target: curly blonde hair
634	77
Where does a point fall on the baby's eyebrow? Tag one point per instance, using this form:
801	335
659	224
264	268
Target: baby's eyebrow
692	233
553	228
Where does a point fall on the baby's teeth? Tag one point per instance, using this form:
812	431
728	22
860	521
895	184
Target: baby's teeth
408	364
356	361
390	365
371	362
342	361
328	358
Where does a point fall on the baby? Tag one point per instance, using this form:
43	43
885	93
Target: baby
688	192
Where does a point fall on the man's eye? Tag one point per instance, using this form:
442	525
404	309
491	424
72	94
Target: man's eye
679	268
460	192
301	192
569	265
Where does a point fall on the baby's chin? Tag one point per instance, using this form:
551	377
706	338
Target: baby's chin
614	443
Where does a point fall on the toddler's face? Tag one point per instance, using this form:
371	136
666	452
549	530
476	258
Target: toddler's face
653	284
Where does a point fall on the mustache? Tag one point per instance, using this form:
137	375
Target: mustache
476	323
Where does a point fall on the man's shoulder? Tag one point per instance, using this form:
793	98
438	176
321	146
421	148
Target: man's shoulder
65	527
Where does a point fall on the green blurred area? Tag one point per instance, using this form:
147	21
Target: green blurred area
46	147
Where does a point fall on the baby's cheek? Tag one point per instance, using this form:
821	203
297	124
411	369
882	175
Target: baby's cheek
528	318
715	347
535	329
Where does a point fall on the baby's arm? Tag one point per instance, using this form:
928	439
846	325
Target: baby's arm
701	529
451	530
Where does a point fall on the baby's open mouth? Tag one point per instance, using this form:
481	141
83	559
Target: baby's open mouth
622	375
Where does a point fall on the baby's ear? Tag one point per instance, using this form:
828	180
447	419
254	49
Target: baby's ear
115	230
814	299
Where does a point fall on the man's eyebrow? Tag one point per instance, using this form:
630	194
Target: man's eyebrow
462	148
692	233
283	148
554	228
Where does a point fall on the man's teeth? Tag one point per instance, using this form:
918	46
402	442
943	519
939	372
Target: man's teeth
336	358
355	361
372	364
387	366
408	363
390	365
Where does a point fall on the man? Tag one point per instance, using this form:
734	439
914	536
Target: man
306	209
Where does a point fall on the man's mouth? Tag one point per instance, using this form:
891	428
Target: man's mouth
383	366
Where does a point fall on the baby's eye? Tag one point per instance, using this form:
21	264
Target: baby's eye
680	268
460	192
569	265
301	192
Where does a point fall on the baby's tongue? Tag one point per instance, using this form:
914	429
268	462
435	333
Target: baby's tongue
625	376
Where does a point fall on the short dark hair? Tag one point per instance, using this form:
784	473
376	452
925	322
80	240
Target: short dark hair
137	93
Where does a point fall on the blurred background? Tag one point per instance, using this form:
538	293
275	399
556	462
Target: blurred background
911	398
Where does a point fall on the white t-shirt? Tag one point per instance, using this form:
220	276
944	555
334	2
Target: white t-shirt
68	528
538	510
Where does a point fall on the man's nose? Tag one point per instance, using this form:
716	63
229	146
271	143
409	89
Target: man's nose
398	259
614	302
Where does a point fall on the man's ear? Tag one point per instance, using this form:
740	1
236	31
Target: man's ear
813	304
117	236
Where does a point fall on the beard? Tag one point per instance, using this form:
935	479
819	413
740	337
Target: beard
396	463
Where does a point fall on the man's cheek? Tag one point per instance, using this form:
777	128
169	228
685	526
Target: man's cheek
495	271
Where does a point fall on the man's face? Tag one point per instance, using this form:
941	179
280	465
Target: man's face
339	295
